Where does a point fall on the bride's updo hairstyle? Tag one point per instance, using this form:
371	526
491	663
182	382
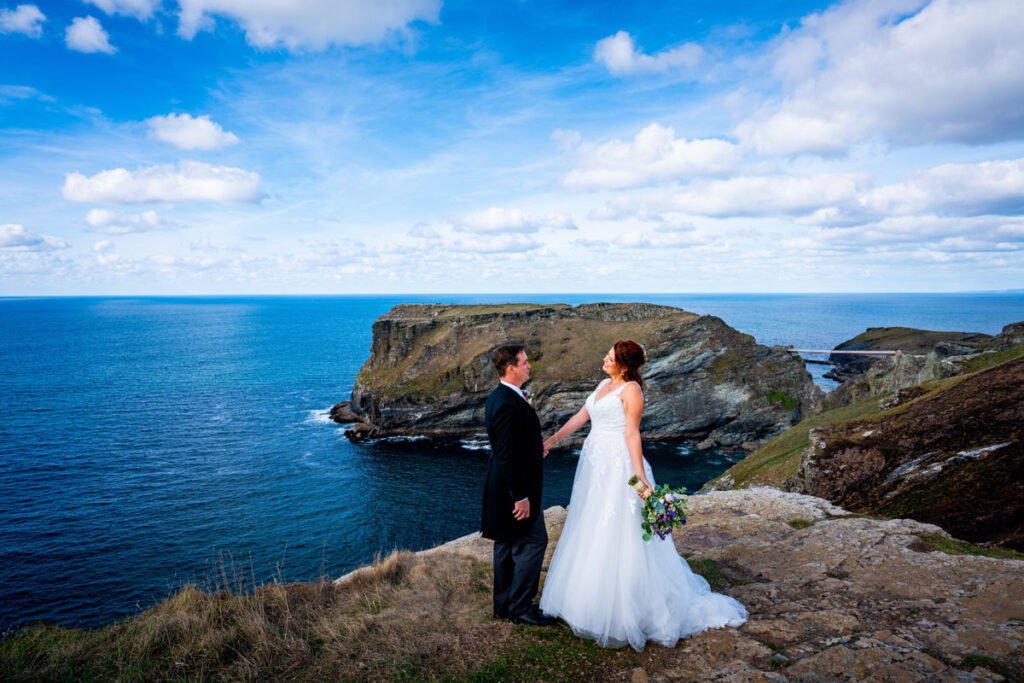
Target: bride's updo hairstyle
629	356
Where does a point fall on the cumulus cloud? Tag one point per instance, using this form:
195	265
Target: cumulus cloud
653	155
86	34
991	187
913	72
113	223
25	19
619	55
494	244
663	237
16	238
928	236
140	9
185	132
311	24
497	220
189	181
772	195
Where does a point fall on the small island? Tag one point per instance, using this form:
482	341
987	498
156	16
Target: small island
429	371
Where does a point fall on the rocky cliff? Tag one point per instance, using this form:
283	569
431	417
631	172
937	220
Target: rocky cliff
952	457
429	371
926	355
948	452
905	339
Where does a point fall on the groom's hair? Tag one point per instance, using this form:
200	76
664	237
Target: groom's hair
506	355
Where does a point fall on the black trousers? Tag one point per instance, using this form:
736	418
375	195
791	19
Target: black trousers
517	567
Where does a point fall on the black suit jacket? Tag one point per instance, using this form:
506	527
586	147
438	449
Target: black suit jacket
516	467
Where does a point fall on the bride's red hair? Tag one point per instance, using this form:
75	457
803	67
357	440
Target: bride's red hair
629	356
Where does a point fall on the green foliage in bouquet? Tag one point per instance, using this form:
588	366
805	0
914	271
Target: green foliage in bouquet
663	511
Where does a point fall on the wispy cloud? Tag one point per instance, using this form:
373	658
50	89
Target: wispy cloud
15	237
140	9
311	25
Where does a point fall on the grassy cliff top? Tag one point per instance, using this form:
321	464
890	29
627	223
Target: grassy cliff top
564	342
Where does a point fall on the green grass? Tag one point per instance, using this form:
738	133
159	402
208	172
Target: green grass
780	398
929	541
801	523
777	460
715	574
549	654
989	360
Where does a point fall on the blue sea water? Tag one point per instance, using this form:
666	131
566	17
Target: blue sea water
146	442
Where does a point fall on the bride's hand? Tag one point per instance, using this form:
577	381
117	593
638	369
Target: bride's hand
549	443
646	491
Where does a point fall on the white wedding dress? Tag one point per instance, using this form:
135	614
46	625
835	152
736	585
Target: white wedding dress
606	581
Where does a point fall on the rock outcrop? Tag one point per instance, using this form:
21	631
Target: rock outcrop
949	456
832	597
905	339
429	371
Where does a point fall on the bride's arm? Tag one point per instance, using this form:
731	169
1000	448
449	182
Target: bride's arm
568	429
633	407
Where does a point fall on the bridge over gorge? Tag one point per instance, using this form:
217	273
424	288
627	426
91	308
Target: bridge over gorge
843	352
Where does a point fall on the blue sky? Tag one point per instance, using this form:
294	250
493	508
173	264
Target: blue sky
313	146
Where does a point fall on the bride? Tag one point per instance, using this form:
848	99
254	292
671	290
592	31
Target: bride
605	581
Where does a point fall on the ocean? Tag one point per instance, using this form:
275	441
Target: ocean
148	442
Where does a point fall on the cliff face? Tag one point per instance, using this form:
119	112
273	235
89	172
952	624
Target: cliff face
905	339
927	356
952	457
429	370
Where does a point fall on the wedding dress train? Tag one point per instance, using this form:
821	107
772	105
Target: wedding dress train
605	581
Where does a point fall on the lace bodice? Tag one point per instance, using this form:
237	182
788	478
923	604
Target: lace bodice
606	414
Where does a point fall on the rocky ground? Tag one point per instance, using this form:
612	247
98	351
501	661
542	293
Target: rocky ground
833	597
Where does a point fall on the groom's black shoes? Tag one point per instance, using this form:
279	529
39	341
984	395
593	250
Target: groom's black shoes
534	617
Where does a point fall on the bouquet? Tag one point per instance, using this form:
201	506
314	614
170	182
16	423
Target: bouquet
663	511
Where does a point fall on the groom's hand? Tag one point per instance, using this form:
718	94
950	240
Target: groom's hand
521	510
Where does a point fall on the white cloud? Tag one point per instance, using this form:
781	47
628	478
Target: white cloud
619	55
112	223
140	9
26	19
185	132
311	24
927	235
189	181
913	72
86	34
499	220
991	187
494	244
654	155
566	139
662	237
768	195
16	238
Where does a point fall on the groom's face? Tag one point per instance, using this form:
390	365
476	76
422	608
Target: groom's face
520	372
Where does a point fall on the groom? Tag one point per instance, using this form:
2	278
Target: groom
512	516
